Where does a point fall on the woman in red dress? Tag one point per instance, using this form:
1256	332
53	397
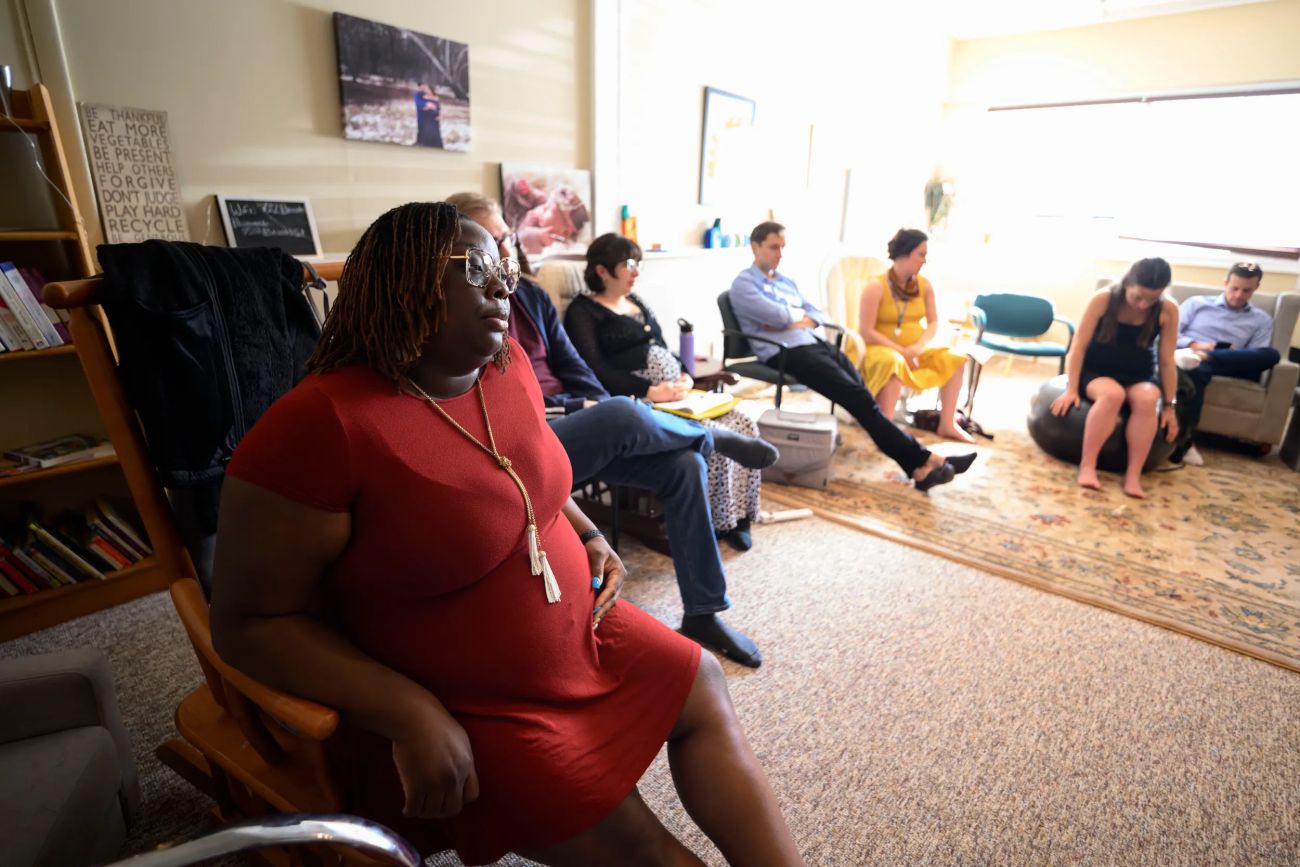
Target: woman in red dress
397	541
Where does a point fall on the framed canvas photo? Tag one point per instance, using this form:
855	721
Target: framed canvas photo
548	208
402	86
726	145
258	221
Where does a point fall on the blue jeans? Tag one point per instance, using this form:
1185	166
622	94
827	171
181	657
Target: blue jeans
621	441
1236	363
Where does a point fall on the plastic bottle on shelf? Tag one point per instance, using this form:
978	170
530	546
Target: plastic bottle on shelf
628	227
713	235
686	346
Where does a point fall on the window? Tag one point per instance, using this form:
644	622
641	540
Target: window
1214	169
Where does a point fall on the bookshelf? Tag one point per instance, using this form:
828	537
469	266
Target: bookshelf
47	393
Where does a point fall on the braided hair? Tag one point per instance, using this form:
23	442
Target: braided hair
391	295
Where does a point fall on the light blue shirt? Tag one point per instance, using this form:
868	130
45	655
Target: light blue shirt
1209	319
767	305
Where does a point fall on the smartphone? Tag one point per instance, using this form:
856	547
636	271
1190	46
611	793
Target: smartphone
1223	344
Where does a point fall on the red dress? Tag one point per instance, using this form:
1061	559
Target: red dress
434	583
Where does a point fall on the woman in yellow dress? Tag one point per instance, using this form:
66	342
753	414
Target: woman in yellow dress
898	354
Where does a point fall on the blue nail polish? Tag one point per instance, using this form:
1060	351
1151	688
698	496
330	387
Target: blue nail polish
596	582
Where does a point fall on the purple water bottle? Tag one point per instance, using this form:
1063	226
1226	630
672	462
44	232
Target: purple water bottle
686	346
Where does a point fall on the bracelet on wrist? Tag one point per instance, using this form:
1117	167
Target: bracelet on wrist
587	535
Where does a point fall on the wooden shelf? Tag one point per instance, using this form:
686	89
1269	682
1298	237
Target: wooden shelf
20	615
62	251
38	235
30	354
22	124
61	470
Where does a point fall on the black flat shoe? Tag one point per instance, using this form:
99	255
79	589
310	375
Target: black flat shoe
940	475
739	537
752	453
961	463
708	630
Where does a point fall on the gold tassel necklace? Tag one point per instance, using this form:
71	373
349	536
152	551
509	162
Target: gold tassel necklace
536	556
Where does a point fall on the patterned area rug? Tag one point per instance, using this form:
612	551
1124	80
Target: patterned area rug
1214	552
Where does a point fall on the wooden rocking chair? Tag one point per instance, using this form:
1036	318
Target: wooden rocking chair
254	750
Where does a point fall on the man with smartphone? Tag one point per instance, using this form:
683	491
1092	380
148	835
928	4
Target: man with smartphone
1222	335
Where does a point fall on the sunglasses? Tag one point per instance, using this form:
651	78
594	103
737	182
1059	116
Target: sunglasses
479	269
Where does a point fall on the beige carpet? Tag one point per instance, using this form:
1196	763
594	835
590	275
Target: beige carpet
910	711
1214	552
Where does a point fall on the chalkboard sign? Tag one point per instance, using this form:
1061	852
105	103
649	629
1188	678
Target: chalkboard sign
256	222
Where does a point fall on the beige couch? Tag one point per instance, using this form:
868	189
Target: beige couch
1255	411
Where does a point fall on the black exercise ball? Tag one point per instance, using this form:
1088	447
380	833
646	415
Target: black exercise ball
1062	436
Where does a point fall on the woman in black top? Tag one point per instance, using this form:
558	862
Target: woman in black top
1113	360
620	339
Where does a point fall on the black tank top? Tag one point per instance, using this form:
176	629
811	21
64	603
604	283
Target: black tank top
1125	360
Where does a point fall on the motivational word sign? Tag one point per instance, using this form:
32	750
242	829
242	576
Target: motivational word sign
131	163
263	222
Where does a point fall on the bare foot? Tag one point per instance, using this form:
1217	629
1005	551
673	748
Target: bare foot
1088	479
955	433
1133	487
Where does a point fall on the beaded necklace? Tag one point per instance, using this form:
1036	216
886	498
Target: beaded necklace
901	298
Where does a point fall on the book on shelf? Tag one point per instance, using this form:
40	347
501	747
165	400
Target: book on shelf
18	570
64	450
10	467
119	541
58	318
17	578
34	568
65	549
23	304
12	334
124	528
53	565
71	548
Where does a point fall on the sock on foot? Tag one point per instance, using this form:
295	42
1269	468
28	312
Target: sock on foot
1186	358
750	452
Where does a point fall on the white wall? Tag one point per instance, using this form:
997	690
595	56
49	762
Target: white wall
837	86
251	92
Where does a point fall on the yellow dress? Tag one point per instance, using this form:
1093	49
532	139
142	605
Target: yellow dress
937	364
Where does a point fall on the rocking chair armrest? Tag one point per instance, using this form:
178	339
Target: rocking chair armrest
304	717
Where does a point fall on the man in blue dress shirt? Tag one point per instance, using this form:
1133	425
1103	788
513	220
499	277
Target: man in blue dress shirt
769	303
1222	335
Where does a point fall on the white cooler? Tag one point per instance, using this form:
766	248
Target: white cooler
807	443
